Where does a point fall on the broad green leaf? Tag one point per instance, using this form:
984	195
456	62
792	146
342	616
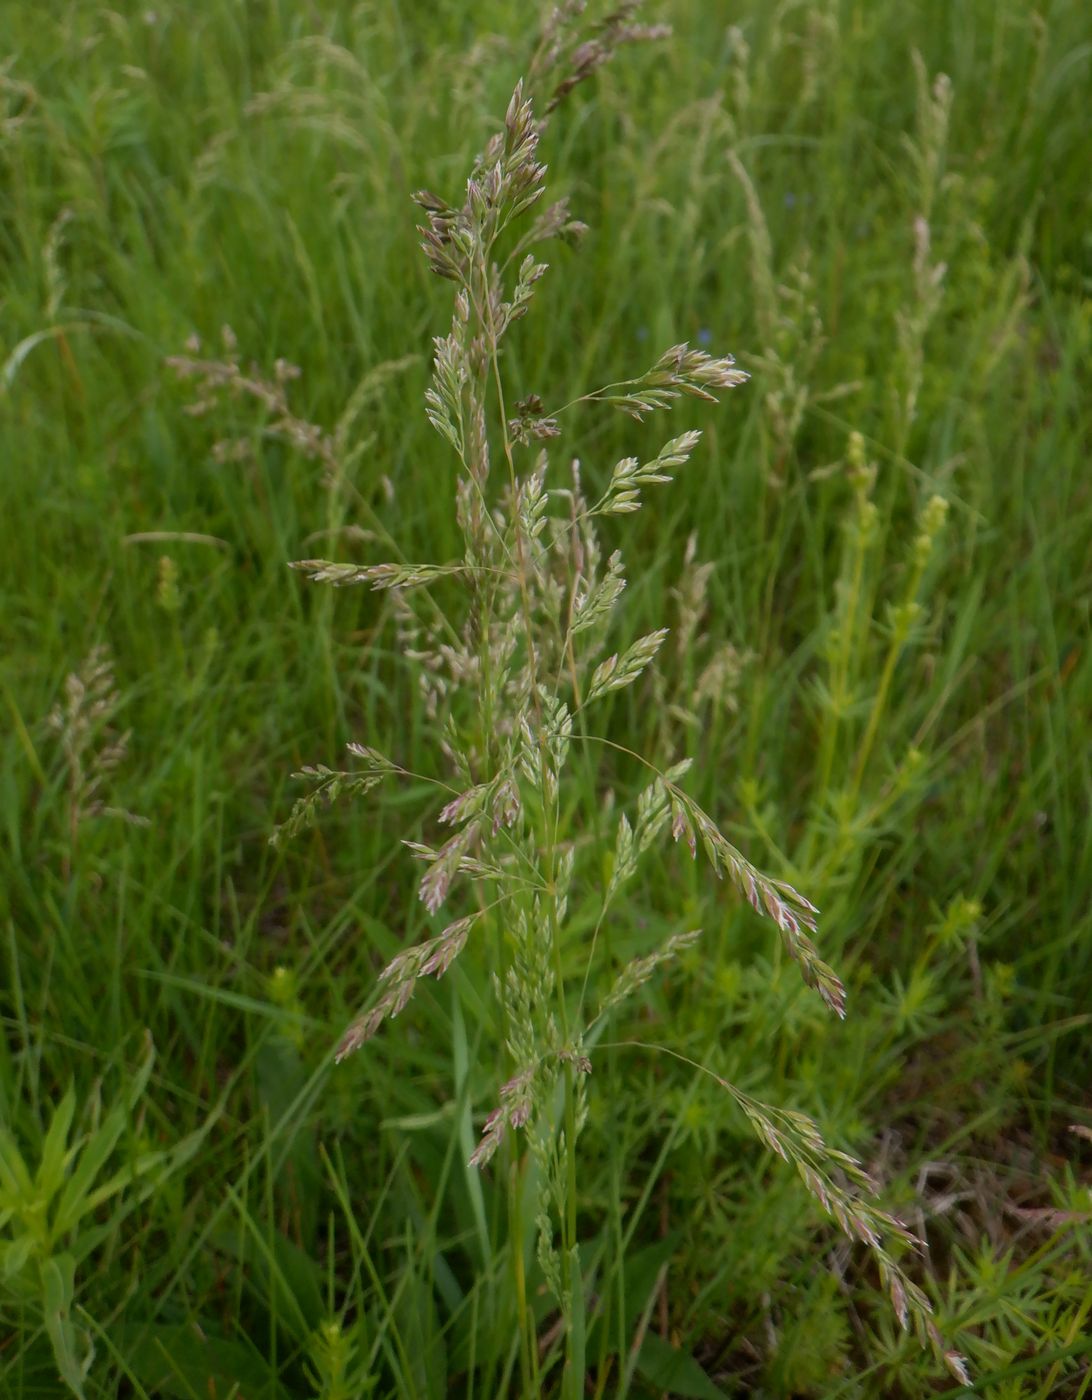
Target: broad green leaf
642	1270
73	1349
77	1197
74	1202
14	1256
187	1361
675	1372
15	1179
143	1166
55	1151
285	1277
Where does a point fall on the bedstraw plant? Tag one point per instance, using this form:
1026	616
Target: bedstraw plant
509	642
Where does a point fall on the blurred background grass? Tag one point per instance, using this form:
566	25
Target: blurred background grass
267	1226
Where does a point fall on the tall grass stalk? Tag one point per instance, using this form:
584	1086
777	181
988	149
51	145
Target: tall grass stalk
510	645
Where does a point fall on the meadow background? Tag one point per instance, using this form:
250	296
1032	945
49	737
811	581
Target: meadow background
187	1184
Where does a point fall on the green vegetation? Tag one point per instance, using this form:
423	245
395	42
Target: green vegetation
879	666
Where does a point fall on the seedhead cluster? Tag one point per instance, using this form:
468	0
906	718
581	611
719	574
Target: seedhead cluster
510	642
91	745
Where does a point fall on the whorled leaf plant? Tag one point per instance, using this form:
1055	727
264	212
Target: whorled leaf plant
512	677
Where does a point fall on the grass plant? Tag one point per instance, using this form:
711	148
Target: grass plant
872	572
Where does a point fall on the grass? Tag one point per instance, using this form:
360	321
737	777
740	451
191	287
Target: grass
278	1227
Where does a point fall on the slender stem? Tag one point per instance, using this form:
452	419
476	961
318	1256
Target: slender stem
621	748
591	955
879	704
840	678
392	544
571	1276
517	531
528	1348
569	1282
548	836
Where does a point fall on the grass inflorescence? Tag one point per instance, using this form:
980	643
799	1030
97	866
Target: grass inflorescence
519	679
598	1121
